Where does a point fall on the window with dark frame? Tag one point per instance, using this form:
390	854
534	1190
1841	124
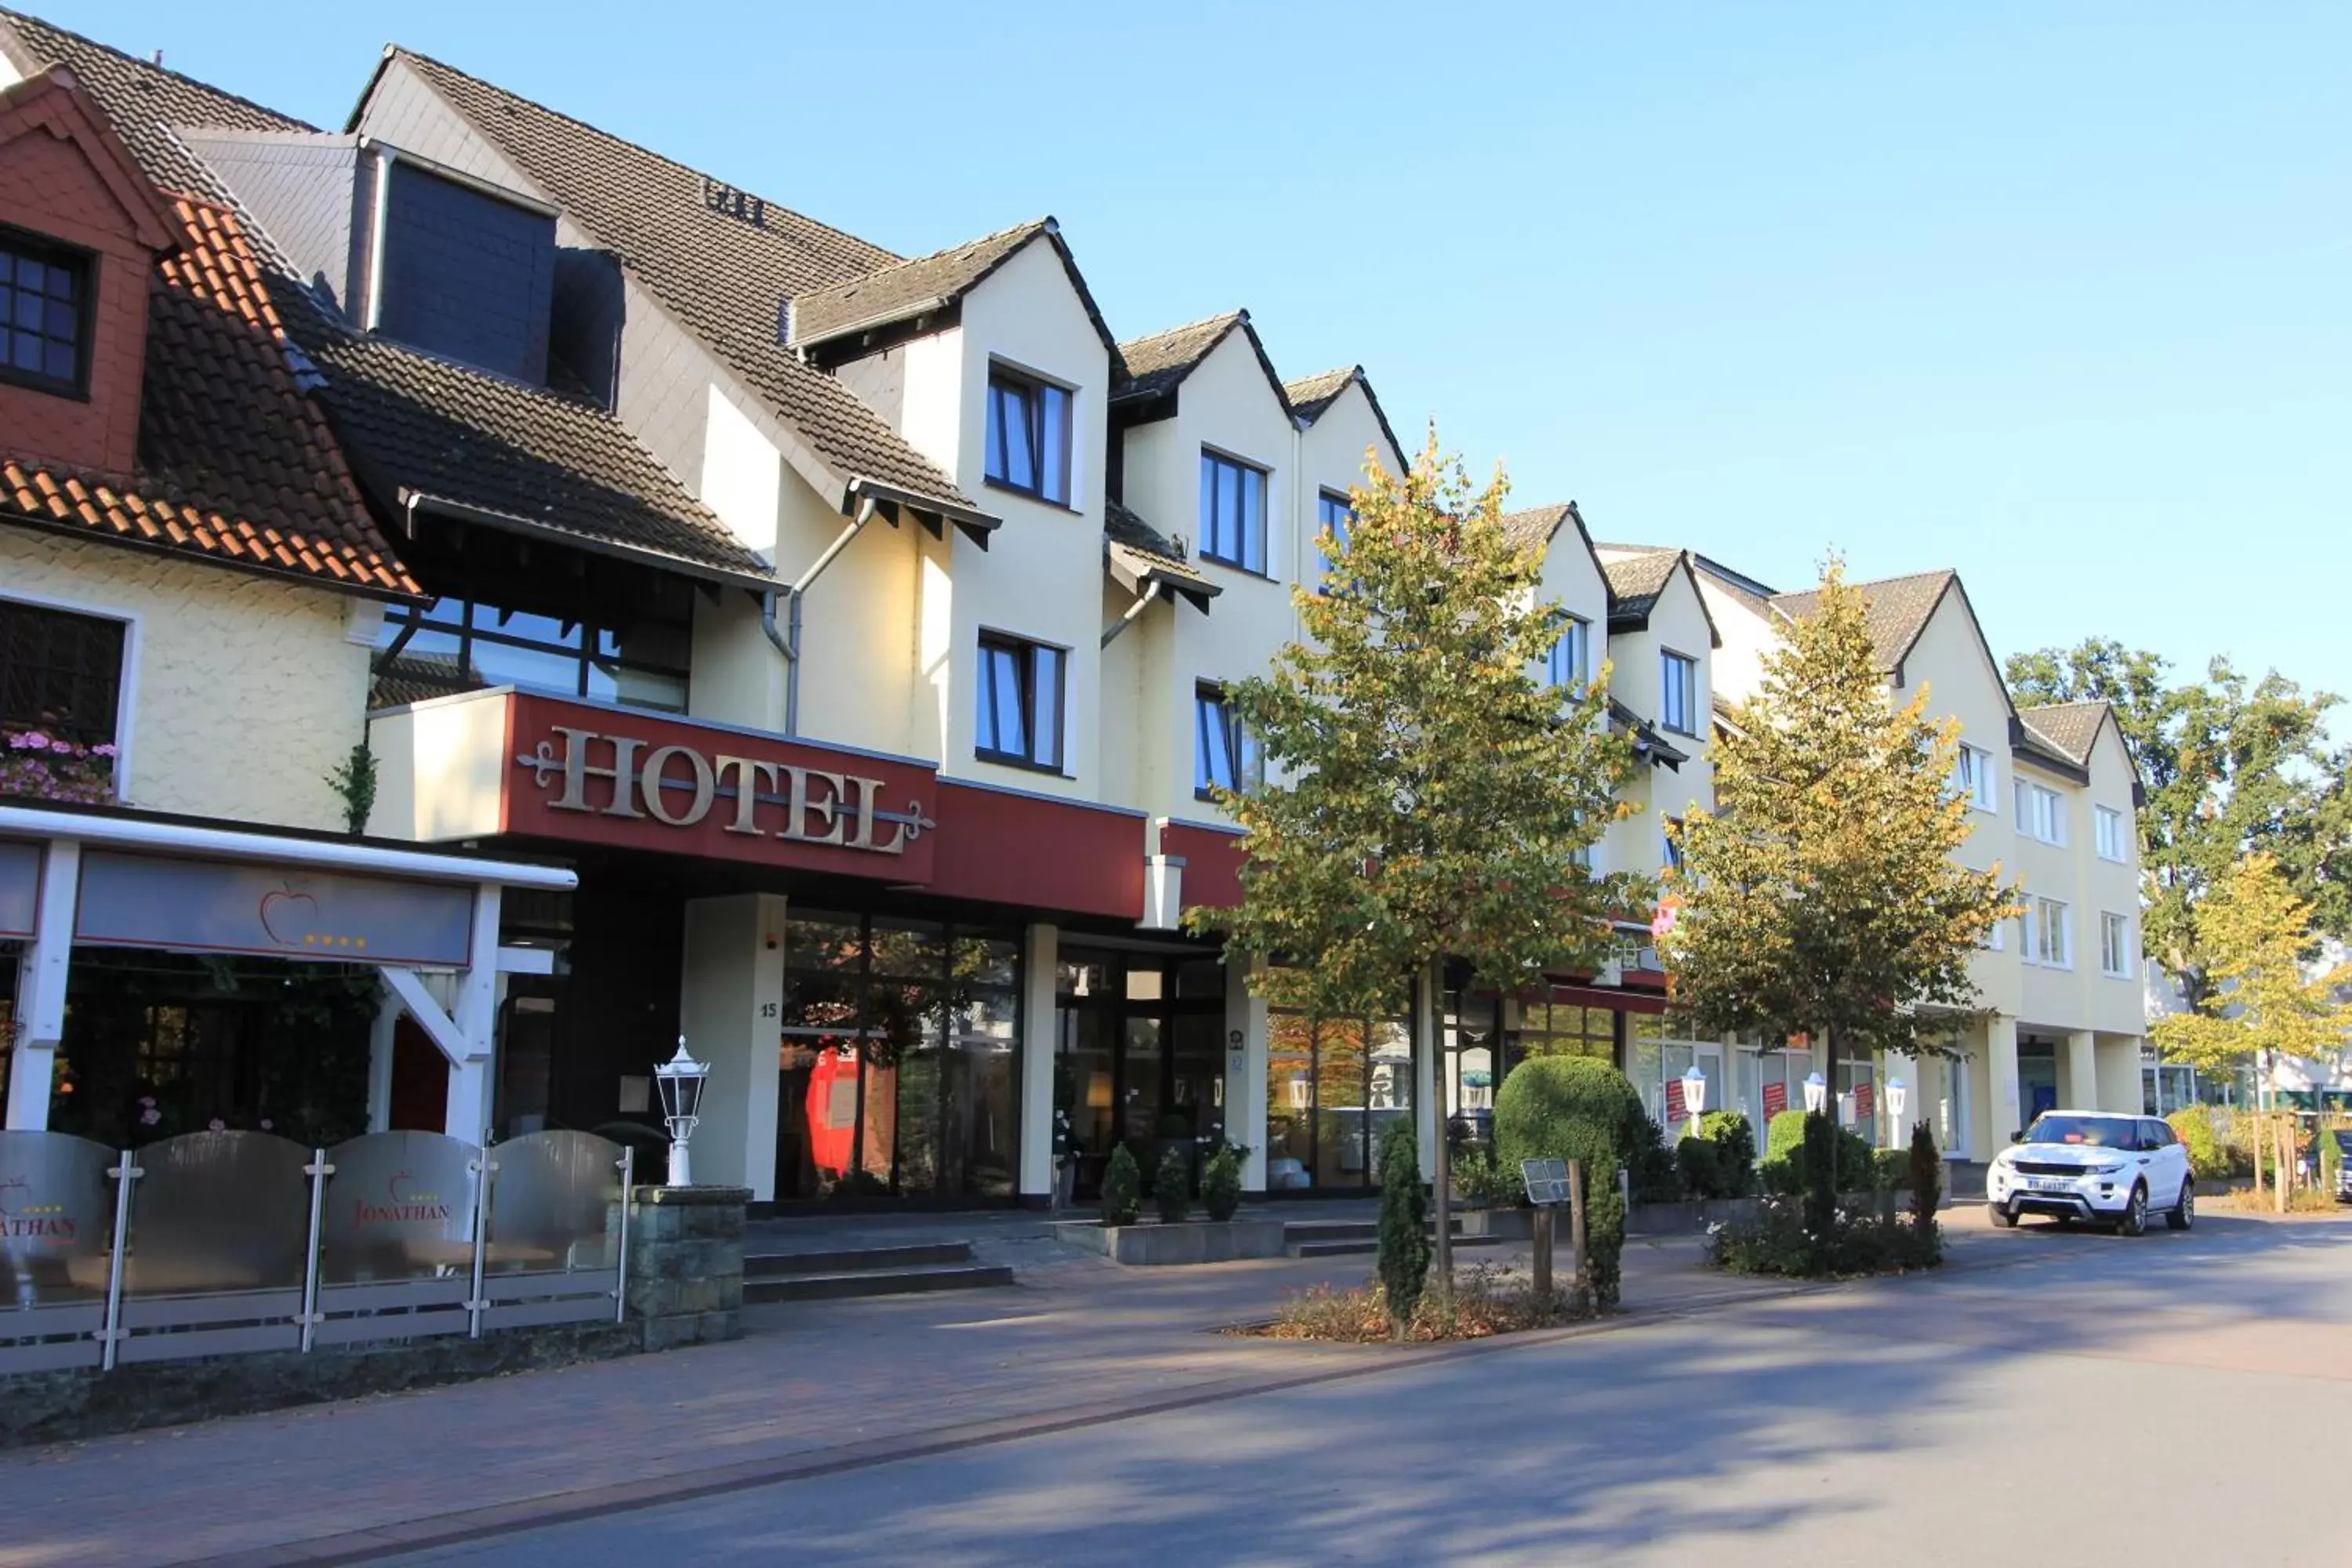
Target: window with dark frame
1571	663
1233	512
61	673
44	314
460	644
1678	693
1028	435
1020	718
1225	753
1336	517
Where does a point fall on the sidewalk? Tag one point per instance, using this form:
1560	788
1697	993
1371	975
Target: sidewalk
814	1385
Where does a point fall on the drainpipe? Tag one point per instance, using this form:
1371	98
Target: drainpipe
787	640
1143	602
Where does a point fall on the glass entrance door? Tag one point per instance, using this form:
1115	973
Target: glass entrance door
1138	1058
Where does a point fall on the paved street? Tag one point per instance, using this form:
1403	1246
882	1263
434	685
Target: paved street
2007	1410
1731	1418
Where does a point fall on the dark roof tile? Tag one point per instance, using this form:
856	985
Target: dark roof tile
1895	612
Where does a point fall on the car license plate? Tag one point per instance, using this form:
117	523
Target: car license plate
2049	1184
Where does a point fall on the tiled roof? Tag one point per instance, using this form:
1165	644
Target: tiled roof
904	289
409	421
1311	395
1138	552
1636	581
2071	728
415	422
1164	359
1896	611
143	99
1533	529
726	277
236	464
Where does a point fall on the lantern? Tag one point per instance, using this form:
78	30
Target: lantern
681	1080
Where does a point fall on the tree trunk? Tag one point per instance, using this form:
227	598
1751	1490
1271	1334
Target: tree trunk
2285	1144
1441	1163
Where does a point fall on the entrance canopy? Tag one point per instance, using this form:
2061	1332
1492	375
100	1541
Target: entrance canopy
104	880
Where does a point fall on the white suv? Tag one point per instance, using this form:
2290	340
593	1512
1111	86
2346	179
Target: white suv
2096	1165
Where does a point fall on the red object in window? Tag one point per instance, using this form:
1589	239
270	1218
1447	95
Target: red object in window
832	1109
1776	1099
1862	1100
1675	1111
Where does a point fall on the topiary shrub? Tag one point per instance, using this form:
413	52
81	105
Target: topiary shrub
1221	1182
1565	1108
2208	1157
1403	1234
1122	1188
1172	1186
1604	1236
1784	1138
1890	1170
1926	1184
1817	1165
1695	1163
1735	1152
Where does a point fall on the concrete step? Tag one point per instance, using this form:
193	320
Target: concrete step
900	1281
1342	1249
853	1260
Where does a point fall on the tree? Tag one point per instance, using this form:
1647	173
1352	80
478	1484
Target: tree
1427	798
2265	1000
2227	766
1822	895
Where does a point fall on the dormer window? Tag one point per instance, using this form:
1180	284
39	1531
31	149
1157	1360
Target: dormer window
44	315
1028	435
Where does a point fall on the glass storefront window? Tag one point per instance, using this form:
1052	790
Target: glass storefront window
1332	1088
899	1058
1139	1059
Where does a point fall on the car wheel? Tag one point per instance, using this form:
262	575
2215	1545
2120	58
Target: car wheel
2002	1216
2184	1212
2134	1219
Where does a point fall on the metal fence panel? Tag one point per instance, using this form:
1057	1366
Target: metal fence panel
218	1247
555	1204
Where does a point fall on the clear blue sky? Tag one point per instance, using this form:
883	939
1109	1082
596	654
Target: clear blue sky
2054	294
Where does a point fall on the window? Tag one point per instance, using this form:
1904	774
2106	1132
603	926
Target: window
1028	435
1020	703
1993	939
1677	693
1233	512
2108	823
61	673
2052	942
1224	753
2115	945
2040	813
1335	517
44	314
465	645
1973	778
1571	657
1674	861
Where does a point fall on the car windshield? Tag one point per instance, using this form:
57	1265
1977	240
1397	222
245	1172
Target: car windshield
2096	1132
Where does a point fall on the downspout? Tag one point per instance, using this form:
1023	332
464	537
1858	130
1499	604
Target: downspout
787	639
377	220
1143	602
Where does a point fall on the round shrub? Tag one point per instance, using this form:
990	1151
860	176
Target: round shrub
1565	1108
1122	1188
1221	1182
2209	1158
1735	1152
1172	1188
1650	1164
1784	1138
1702	1171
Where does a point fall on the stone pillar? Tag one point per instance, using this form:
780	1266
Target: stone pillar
2001	1113
1245	1074
686	1264
2078	1072
730	1009
2120	1085
1040	1038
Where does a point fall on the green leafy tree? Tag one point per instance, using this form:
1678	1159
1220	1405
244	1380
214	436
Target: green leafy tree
1428	797
1822	896
2227	765
2265	1001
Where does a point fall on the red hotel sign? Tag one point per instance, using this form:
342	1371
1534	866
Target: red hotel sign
639	781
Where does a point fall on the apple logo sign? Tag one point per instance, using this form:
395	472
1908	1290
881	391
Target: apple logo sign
289	906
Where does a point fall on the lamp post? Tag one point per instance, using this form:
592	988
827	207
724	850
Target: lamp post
1896	1096
681	1080
1694	1095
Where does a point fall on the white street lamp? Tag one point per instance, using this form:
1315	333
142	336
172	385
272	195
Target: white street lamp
681	1080
1693	1096
1817	1093
1896	1096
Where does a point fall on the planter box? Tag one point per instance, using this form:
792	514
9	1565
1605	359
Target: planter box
1194	1241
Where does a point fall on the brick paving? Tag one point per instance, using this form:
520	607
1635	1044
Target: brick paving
1078	1338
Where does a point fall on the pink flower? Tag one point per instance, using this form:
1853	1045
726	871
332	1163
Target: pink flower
147	1099
151	1116
265	1124
101	751
219	1125
34	740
